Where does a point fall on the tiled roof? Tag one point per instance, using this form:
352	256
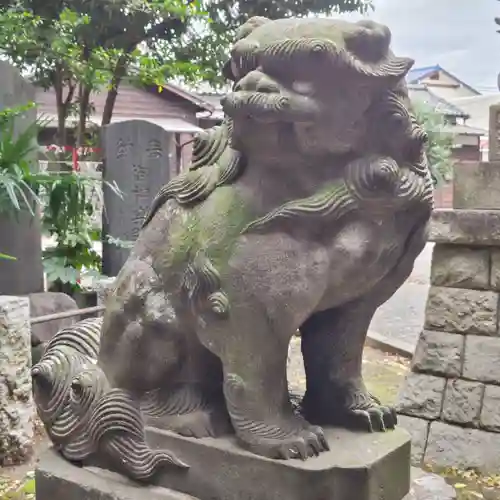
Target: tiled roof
421	93
417	74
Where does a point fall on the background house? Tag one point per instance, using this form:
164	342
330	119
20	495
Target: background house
467	138
170	107
440	82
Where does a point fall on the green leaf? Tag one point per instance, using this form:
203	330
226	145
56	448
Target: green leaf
6	257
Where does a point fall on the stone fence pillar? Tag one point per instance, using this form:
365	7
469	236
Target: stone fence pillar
450	401
17	410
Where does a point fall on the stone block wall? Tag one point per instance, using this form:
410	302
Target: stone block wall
17	410
450	401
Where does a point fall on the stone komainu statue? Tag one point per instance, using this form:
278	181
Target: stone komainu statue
305	209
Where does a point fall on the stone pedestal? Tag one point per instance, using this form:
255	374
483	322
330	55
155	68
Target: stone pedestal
359	466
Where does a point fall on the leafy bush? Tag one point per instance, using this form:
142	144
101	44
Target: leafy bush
440	142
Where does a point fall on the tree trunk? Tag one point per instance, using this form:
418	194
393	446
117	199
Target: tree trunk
83	112
118	74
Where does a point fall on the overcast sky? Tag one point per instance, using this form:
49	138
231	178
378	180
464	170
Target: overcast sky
459	35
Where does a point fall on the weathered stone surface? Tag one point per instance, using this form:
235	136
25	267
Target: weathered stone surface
16	406
451	445
421	396
494	136
495	269
431	487
103	287
461	311
490	413
481	360
49	303
460	267
476	185
56	479
465	227
138	160
439	353
462	402
21	235
418	429
374	466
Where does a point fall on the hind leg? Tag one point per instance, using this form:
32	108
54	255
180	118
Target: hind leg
332	347
194	405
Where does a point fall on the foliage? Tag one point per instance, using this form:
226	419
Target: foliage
439	144
80	46
68	217
18	490
209	48
19	183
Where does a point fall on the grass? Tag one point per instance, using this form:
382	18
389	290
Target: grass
17	490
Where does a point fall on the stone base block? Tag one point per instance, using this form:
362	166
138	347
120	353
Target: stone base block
360	465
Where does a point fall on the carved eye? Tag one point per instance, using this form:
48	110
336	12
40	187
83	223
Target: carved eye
77	388
304	88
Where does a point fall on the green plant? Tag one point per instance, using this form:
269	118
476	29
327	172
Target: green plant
440	142
19	184
68	216
6	257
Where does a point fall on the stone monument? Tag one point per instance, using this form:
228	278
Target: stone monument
451	398
305	208
20	232
136	158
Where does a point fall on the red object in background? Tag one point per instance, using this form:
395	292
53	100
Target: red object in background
75	153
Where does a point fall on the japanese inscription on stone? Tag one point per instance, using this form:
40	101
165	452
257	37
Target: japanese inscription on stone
138	162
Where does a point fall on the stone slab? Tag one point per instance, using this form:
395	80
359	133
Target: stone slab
21	236
462	311
431	487
57	479
439	353
495	269
138	157
481	361
421	396
465	227
490	413
462	402
418	429
458	266
494	135
454	446
360	465
476	185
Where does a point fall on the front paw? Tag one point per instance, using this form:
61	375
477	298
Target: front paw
371	415
353	409
282	442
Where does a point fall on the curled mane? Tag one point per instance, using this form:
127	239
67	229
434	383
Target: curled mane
215	163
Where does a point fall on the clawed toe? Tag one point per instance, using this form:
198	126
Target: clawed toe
376	418
303	444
